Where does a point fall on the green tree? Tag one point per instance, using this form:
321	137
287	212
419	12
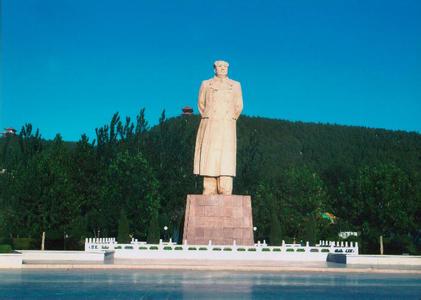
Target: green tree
275	225
382	201
131	184
170	151
153	229
87	177
262	212
303	197
123	228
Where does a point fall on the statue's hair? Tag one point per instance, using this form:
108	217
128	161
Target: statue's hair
220	62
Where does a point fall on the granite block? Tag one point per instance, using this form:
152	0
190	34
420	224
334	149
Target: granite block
221	219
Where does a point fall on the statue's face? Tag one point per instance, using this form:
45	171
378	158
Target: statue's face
221	70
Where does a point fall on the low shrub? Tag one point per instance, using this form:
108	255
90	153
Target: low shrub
301	250
276	250
153	248
265	249
24	243
167	248
227	249
252	249
192	248
241	249
314	250
290	250
117	247
128	247
325	250
203	249
216	249
143	248
178	248
5	248
6	241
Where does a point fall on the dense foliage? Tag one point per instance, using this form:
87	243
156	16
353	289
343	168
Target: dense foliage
132	180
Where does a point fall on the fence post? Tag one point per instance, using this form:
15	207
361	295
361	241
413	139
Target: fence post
43	240
381	245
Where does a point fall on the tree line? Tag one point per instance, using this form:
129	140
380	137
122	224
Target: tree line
132	180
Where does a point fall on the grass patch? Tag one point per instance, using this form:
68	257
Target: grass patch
203	248
143	248
227	249
216	249
241	249
252	249
192	248
301	250
167	248
178	248
153	248
276	250
266	250
290	250
128	247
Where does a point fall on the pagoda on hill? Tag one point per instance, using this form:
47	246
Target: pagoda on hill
187	110
9	131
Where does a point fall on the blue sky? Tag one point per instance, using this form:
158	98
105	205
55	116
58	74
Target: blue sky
68	65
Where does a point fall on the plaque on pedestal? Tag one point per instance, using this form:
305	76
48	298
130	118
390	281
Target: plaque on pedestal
218	218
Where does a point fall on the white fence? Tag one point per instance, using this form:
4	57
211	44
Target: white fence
170	250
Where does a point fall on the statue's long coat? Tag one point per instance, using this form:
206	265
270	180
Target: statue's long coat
220	104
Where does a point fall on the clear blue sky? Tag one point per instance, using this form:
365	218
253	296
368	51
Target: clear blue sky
68	65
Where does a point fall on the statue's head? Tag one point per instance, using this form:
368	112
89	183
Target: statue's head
221	68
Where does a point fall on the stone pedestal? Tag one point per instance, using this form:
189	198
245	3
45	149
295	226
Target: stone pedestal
221	219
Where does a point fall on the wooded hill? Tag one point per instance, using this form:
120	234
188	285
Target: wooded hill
133	179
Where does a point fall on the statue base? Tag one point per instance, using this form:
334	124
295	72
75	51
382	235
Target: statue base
218	218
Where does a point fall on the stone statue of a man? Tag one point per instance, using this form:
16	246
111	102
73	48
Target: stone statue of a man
220	104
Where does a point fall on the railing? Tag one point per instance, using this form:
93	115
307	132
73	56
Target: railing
135	245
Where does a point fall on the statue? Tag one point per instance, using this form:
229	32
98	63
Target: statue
220	104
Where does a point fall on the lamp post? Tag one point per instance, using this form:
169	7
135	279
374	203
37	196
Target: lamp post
165	230
65	237
254	231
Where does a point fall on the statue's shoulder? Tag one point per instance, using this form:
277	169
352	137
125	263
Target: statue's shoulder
207	82
234	83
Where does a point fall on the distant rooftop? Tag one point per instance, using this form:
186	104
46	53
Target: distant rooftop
8	131
187	110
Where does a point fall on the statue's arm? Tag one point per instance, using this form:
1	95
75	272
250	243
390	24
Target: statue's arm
238	102
201	100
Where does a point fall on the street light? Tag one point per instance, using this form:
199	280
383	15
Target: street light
165	229
66	236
